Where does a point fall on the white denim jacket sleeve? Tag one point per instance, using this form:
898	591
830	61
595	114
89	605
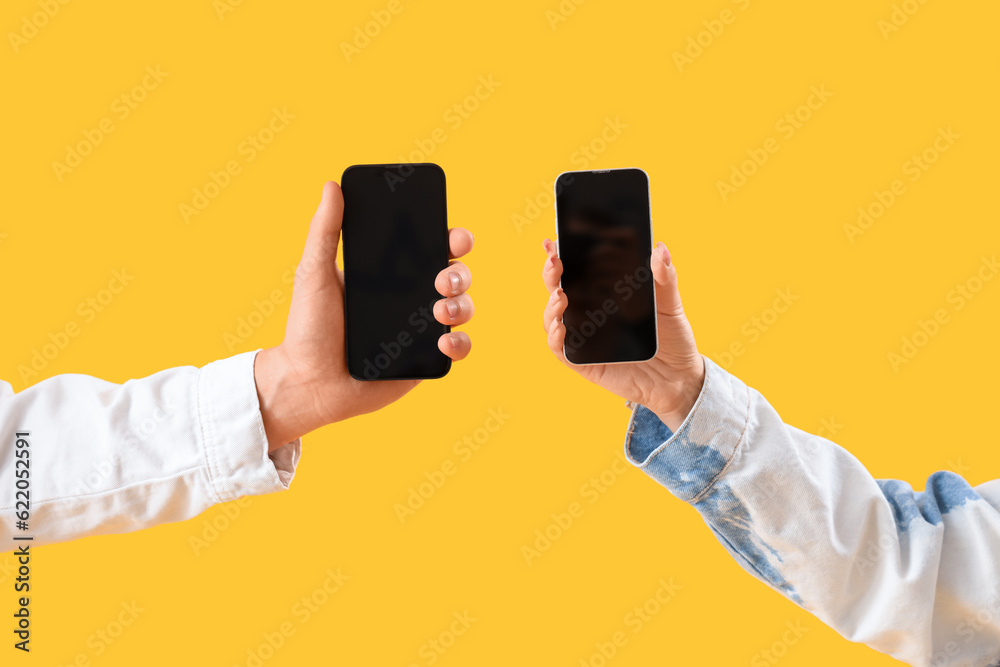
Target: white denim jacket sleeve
915	575
109	458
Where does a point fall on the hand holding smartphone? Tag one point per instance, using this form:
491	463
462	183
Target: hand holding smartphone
614	312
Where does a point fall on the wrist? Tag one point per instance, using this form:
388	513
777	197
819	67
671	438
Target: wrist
683	394
286	402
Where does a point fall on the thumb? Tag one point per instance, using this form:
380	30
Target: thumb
319	258
668	298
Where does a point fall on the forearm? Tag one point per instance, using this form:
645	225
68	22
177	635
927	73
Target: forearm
871	559
108	458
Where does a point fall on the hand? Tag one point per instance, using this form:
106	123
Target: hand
669	383
303	383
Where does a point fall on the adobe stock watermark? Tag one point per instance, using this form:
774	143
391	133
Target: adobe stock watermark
87	311
986	618
107	635
956	466
714	27
418	322
301	612
365	33
433	649
581	158
212	527
32	23
900	15
138	434
590	491
957	298
757	326
914	167
453	117
263	309
562	12
965	631
786	126
625	289
774	488
464	450
635	620
7	568
874	549
248	150
121	108
794	630
223	7
828	427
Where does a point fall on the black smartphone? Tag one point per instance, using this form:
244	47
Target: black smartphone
604	239
395	241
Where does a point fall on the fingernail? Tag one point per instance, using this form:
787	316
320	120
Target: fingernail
554	296
550	262
452	307
664	253
456	282
552	327
455	340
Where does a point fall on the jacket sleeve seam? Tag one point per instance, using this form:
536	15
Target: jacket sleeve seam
732	456
683	428
205	438
117	489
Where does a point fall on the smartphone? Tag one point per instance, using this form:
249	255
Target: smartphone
395	242
604	238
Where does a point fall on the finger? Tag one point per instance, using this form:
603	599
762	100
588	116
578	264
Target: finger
460	242
555	307
456	345
552	269
455	310
556	337
668	298
454	280
319	258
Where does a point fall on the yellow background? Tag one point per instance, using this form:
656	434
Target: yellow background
825	359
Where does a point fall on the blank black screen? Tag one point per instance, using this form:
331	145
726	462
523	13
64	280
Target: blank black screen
395	243
603	227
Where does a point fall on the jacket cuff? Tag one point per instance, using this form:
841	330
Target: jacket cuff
689	461
232	433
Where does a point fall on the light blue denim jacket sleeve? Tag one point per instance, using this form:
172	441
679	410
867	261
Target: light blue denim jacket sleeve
915	575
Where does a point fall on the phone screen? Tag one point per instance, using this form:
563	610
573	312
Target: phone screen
395	240
604	237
